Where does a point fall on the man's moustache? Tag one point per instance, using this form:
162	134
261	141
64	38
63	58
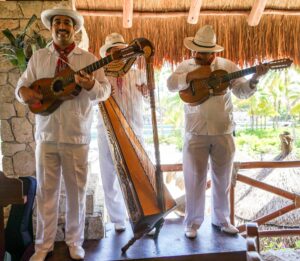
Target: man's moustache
204	62
62	31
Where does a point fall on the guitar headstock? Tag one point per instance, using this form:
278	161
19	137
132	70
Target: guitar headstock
280	64
139	46
145	45
126	53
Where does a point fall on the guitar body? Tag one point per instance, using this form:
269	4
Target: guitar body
201	89
216	82
63	87
54	91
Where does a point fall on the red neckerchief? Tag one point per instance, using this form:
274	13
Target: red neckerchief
119	84
63	56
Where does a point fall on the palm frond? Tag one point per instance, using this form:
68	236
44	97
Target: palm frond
20	38
8	34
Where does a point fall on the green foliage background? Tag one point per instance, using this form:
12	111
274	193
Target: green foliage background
273	109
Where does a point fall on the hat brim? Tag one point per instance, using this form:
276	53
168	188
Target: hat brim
105	47
46	16
188	43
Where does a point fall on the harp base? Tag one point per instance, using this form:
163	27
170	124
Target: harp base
138	235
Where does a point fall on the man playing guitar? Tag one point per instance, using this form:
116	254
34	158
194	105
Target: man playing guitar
209	127
63	136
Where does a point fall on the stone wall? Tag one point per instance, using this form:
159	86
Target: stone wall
17	122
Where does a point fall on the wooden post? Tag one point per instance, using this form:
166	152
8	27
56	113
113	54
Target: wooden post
252	239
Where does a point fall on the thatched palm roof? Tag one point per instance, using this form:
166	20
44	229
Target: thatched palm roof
165	24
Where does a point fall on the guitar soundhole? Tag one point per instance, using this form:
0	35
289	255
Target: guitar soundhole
213	81
58	86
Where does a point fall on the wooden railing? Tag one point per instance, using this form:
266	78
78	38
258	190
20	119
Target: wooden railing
295	198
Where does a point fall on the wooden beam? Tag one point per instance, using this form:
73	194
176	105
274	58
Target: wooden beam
279	233
110	13
127	13
269	164
194	11
268	217
243	165
264	186
256	12
171	167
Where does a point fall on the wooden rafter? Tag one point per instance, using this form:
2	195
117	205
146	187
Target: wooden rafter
194	11
256	12
127	13
73	4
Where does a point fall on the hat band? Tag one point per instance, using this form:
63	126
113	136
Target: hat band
118	43
203	45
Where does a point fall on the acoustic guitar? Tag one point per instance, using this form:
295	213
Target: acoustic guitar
63	87
218	81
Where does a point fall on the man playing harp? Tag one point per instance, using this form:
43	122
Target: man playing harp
147	199
125	89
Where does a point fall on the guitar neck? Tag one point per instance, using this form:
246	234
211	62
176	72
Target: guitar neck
126	53
238	74
97	65
90	68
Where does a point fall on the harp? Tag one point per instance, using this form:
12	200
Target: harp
147	199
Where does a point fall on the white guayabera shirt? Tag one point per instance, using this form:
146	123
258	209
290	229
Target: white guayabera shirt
215	115
129	98
71	122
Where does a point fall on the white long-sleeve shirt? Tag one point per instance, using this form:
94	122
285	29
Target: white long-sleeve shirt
129	98
215	115
71	121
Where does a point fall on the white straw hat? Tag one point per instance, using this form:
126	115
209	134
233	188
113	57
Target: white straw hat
113	39
204	41
46	16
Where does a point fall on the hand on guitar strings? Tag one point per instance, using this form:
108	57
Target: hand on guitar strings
30	96
261	69
85	80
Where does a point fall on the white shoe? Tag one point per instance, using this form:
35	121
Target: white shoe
229	229
190	232
120	227
76	252
151	232
40	255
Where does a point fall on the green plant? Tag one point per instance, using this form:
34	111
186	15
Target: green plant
274	243
19	48
297	244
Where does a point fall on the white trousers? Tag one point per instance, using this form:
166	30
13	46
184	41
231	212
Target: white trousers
54	161
113	197
198	151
